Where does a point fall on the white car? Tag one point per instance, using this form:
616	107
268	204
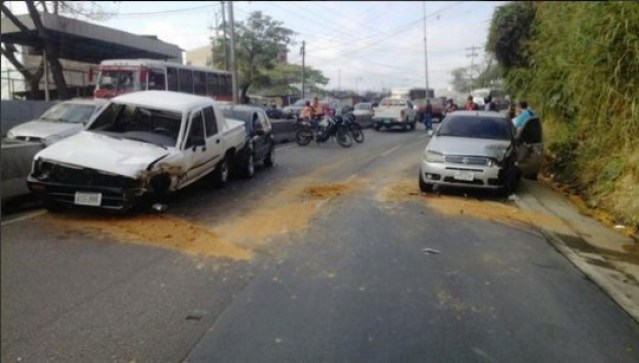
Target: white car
61	120
143	144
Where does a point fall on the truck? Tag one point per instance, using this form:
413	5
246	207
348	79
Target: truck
140	147
395	111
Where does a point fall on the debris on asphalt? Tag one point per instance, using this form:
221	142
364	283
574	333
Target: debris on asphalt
430	251
620	226
160	208
512	197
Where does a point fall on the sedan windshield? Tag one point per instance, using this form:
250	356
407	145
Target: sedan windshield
69	112
139	123
476	127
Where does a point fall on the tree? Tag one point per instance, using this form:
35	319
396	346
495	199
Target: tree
461	81
281	78
510	31
258	41
41	37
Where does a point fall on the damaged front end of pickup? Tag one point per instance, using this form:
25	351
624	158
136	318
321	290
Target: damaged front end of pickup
61	184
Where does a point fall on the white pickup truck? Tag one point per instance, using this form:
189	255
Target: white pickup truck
394	111
141	145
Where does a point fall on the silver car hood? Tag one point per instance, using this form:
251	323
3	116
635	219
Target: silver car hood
449	145
43	129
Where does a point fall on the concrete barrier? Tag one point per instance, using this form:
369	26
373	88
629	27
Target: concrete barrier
16	160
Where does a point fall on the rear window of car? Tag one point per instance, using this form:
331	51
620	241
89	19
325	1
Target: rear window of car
476	127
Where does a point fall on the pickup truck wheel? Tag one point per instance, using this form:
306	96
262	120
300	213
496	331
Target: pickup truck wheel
222	173
412	125
376	127
248	169
269	160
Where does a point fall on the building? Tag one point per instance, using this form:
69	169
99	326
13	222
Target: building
200	56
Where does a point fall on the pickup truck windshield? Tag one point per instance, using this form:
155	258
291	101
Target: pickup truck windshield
139	123
476	127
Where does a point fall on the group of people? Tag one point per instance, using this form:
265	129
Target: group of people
312	111
518	112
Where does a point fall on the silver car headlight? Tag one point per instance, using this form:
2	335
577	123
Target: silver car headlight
433	156
491	162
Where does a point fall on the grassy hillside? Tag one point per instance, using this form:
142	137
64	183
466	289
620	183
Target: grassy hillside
584	81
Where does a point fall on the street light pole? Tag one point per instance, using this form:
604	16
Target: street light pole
425	53
233	64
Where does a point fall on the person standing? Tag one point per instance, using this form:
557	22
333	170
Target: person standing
428	117
471	105
523	114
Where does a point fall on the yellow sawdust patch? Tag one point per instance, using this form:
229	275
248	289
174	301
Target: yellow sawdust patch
327	190
258	225
156	230
450	205
288	211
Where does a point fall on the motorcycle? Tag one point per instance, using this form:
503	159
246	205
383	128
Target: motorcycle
353	126
322	130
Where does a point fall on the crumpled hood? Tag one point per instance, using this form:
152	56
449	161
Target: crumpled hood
449	145
92	150
43	129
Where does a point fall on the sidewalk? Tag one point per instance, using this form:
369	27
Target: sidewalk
608	258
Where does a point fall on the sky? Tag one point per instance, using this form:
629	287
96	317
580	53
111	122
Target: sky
359	45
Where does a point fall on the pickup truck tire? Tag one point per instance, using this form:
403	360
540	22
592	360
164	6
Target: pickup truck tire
423	186
269	160
221	173
376	126
412	126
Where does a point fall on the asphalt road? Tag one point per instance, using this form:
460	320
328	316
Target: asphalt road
318	259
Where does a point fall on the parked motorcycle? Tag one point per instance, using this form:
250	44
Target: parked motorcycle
353	126
322	131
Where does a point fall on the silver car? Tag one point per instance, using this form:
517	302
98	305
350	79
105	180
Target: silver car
62	120
480	149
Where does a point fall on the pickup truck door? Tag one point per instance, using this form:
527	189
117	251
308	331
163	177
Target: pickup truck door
530	147
198	155
214	134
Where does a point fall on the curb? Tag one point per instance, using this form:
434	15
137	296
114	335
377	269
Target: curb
601	281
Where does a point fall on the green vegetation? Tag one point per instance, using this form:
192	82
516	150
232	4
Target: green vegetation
577	65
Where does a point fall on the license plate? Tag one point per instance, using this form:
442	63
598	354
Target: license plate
462	175
92	199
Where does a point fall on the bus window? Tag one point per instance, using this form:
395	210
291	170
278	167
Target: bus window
186	81
156	79
199	82
227	85
211	84
172	79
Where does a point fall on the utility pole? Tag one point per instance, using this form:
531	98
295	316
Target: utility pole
46	74
226	57
425	54
472	56
303	52
233	63
339	79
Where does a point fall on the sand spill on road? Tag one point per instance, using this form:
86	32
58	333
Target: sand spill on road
155	230
234	237
408	189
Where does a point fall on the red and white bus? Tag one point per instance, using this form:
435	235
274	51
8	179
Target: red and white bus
120	76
